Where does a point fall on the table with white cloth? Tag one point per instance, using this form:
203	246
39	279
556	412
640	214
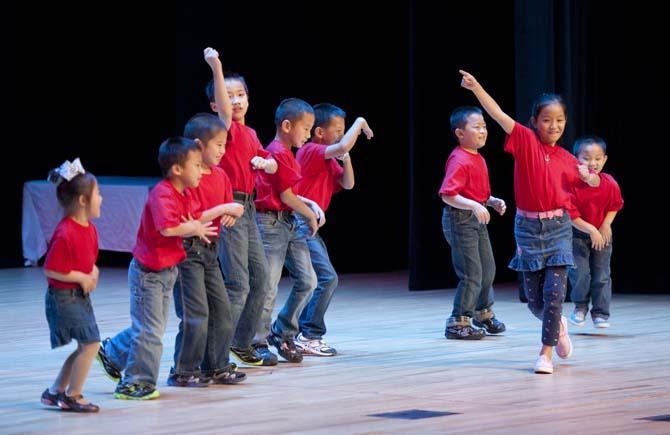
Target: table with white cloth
122	205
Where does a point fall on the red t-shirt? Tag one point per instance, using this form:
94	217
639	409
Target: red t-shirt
214	189
593	203
164	209
269	186
72	247
466	174
242	146
544	175
320	177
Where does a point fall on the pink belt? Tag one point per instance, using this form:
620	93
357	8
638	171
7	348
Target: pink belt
540	214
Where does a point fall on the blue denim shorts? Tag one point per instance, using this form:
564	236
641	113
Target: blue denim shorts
541	243
70	316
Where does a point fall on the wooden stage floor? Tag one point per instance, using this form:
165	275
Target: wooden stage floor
393	359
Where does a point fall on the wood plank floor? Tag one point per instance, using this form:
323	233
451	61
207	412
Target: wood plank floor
393	358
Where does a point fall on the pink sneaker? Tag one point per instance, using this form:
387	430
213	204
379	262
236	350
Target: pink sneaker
564	347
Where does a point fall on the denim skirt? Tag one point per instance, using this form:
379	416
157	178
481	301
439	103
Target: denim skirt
541	243
70	316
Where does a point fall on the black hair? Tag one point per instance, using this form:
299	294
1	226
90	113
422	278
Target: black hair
459	116
292	109
203	126
325	112
227	75
584	141
175	150
545	100
68	192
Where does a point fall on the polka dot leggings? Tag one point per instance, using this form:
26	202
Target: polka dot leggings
545	290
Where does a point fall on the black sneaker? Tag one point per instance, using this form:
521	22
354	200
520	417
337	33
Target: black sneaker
49	399
248	356
491	326
67	403
269	358
286	348
107	367
136	392
464	332
228	376
175	380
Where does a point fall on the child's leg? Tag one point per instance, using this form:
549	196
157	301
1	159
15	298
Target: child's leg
580	276
80	367
65	374
461	229
190	302
312	324
299	265
601	282
533	283
149	305
275	234
553	293
485	300
220	326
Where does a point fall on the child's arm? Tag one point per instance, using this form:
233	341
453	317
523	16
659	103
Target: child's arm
488	103
349	139
497	204
269	165
291	199
224	107
87	281
606	227
590	178
190	228
597	241
320	215
463	203
231	208
347	178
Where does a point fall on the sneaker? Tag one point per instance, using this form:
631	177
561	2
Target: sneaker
464	332
544	365
269	358
578	318
71	403
491	326
49	399
564	346
107	367
317	347
286	348
136	392
175	380
228	376
248	356
600	322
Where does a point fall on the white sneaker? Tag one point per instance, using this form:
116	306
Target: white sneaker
578	318
317	347
544	365
564	347
599	322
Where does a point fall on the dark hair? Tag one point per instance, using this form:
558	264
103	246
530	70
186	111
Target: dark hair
68	192
203	126
325	112
545	100
584	141
291	109
175	150
459	117
227	75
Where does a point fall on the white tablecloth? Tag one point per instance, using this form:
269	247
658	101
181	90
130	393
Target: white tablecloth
123	199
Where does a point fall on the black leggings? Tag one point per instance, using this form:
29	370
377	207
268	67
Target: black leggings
545	290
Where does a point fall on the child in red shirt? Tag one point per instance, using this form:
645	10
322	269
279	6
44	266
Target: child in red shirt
594	211
544	174
322	176
243	262
72	276
466	192
167	218
283	237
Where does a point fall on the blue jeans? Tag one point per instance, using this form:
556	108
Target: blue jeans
590	280
202	305
137	350
473	261
285	244
245	270
312	323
